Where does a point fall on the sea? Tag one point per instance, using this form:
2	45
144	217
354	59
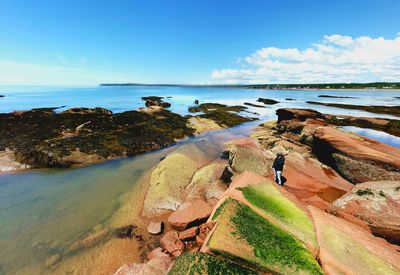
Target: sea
44	211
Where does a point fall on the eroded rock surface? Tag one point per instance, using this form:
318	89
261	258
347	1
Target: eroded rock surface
377	203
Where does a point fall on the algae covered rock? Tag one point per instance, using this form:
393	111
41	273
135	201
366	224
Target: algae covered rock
167	186
247	155
348	249
201	263
248	238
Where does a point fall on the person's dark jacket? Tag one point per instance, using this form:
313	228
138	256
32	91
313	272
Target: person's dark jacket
278	163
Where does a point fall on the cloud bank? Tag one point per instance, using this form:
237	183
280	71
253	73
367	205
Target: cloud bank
336	58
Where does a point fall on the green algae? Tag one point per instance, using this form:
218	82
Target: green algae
349	252
240	230
219	209
271	244
201	263
286	214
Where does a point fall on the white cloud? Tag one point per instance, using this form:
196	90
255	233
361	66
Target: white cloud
16	73
336	58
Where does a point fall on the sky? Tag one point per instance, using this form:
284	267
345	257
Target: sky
47	42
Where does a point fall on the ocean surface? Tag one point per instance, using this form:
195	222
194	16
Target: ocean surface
43	211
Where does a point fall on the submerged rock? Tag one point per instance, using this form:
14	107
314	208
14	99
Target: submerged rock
267	101
377	203
156	266
155	228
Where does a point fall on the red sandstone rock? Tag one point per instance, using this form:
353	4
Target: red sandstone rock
156	253
188	234
377	204
171	243
196	212
300	114
155	228
348	249
357	158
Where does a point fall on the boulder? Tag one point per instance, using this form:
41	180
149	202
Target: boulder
171	243
167	186
155	228
155	101
299	114
267	101
357	159
247	155
227	175
205	182
194	213
377	204
349	249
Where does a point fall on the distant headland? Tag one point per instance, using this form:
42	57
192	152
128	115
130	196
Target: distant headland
326	86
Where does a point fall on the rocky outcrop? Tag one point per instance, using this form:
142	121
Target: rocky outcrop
194	213
247	155
267	101
156	101
166	191
348	249
223	115
43	138
377	204
202	125
356	158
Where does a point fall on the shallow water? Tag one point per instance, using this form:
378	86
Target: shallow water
43	211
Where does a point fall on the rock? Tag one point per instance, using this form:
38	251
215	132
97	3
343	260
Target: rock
53	260
155	101
205	180
267	101
124	232
348	249
43	138
247	155
156	266
155	228
244	234
227	175
171	243
202	125
156	253
166	189
357	159
195	213
253	105
377	204
85	111
299	114
188	234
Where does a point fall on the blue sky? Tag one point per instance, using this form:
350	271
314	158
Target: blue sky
169	41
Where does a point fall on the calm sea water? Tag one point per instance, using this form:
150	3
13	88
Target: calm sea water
43	211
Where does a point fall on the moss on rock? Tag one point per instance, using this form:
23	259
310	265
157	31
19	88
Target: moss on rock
246	237
201	263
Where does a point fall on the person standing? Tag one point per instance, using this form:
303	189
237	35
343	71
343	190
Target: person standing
278	164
